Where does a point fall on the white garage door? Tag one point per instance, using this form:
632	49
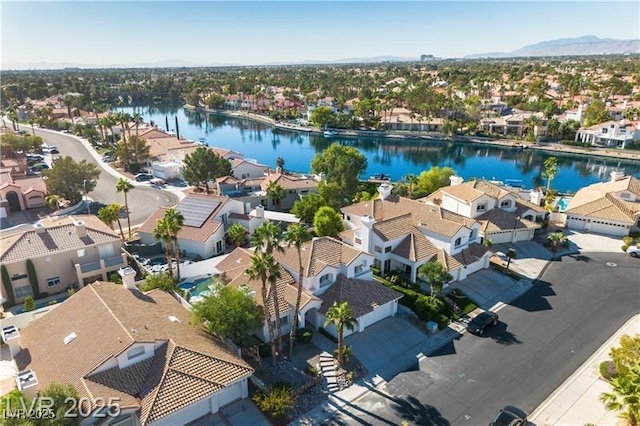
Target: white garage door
475	267
578	224
608	229
378	314
500	237
230	394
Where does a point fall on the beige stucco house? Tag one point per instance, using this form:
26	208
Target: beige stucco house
65	252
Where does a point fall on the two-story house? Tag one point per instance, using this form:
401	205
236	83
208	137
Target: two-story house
611	208
20	191
403	234
332	272
66	252
206	218
617	134
133	358
503	215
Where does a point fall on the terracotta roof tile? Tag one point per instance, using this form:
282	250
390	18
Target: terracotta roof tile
415	247
471	254
317	254
363	296
500	220
290	181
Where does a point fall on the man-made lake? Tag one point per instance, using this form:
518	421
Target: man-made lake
395	158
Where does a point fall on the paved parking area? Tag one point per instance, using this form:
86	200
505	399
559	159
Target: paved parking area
489	287
240	413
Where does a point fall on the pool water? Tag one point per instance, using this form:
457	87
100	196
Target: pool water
562	204
199	286
158	261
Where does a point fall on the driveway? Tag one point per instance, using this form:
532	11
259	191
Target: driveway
240	413
489	287
143	201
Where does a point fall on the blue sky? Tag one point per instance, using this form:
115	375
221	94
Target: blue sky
107	33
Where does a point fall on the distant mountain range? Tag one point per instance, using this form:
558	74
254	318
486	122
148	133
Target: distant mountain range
579	46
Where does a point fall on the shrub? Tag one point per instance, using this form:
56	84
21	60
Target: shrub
627	241
624	247
115	277
52	302
304	335
29	304
607	370
276	401
312	371
376	271
351	375
282	384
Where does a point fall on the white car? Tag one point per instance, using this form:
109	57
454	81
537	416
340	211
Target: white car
634	251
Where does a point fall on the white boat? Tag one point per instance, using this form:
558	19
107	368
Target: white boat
329	134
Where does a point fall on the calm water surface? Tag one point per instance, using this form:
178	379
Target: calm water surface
395	158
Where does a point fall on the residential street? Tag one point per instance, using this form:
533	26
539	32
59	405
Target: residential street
143	201
541	339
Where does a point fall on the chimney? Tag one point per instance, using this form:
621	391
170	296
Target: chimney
39	228
11	336
616	175
385	190
536	197
456	180
260	212
365	232
128	275
81	228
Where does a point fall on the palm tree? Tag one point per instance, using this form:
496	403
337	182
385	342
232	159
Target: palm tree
175	222
33	129
262	268
276	192
280	164
268	237
623	397
161	233
111	213
412	180
52	201
341	316
295	236
556	239
237	234
137	119
125	186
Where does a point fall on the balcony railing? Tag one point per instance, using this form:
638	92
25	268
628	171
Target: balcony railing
91	266
102	264
113	261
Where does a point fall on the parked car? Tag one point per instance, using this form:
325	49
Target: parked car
107	159
634	251
480	322
53	150
510	416
143	177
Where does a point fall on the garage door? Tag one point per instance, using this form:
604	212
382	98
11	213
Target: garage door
378	314
500	237
230	394
475	266
608	229
576	223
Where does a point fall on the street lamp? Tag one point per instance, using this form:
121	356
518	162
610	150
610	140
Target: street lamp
515	224
86	198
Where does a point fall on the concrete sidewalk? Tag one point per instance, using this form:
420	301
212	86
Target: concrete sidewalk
577	400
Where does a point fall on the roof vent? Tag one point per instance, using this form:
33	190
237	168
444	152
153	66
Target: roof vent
26	379
10	332
39	228
81	228
173	319
70	338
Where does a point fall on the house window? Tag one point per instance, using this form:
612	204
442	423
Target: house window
284	321
325	280
358	240
23	291
458	242
82	252
358	269
223	218
304	191
387	249
505	204
52	282
481	207
135	353
377	249
292	191
219	246
16	277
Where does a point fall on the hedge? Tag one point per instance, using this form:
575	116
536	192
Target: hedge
6	282
33	279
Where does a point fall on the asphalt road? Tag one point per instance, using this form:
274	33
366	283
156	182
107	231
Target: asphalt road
143	201
541	339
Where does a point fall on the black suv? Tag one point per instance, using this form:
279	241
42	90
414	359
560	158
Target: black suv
479	323
510	416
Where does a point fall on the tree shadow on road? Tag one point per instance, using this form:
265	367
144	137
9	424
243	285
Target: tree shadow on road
500	334
536	298
357	414
580	258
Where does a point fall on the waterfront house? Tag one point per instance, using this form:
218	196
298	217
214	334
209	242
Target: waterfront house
404	119
66	252
618	134
206	219
404	234
247	169
504	215
611	208
515	124
114	344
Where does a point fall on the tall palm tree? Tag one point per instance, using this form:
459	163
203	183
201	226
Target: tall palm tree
262	268
33	129
341	316
276	192
162	233
111	213
267	238
137	119
175	222
125	186
412	180
295	236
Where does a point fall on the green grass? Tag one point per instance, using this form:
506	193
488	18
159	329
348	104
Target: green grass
465	304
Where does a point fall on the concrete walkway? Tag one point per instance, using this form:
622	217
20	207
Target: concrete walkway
577	400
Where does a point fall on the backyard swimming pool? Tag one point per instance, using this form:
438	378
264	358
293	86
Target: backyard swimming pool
562	203
198	287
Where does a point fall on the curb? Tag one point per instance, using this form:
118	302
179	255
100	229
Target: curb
606	346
